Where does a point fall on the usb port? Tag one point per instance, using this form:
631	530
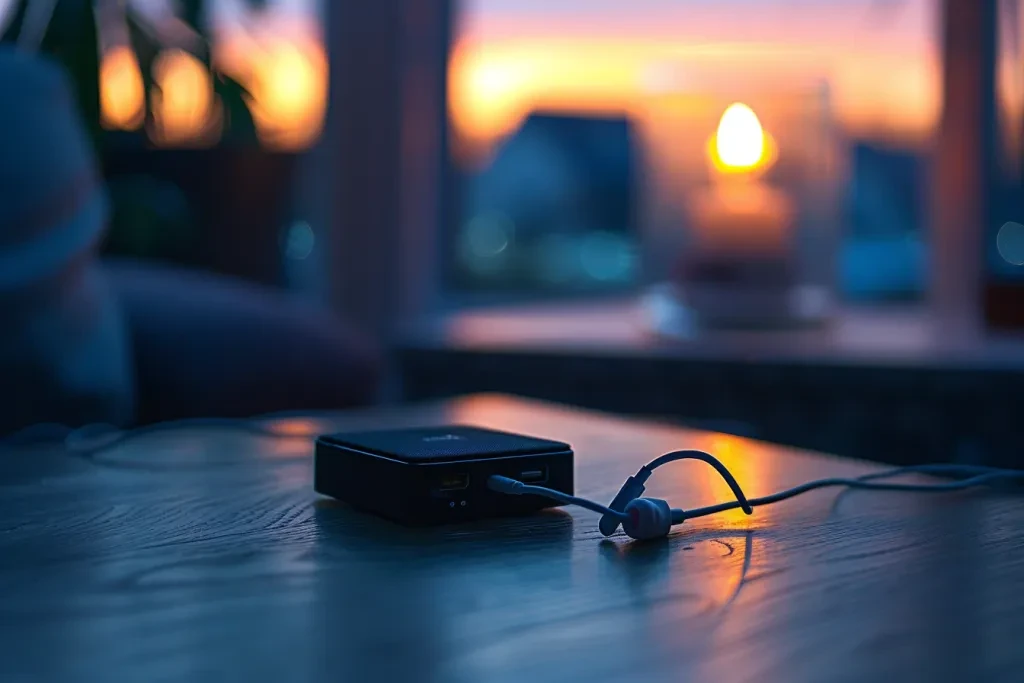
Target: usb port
454	482
537	475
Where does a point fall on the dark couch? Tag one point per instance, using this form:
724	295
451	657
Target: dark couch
208	345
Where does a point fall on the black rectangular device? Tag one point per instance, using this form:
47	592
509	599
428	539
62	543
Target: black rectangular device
438	475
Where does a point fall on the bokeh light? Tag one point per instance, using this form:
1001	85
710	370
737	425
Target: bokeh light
300	240
288	84
741	145
183	103
488	95
739	142
607	257
1010	243
122	93
485	241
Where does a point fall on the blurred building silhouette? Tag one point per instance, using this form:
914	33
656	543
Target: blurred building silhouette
556	209
883	253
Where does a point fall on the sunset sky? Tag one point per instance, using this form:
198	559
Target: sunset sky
880	57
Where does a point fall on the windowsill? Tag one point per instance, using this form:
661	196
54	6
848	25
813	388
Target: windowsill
900	336
878	383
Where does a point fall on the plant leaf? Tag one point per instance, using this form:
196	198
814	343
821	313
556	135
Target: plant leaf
146	47
192	14
239	125
72	39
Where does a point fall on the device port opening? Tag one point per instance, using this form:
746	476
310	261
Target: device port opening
454	482
534	475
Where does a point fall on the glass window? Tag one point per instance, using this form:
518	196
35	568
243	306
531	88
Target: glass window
208	110
273	50
580	125
1005	254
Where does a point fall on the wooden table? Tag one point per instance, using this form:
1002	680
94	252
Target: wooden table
206	555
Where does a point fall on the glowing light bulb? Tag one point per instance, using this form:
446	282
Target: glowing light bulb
122	95
291	82
289	91
740	140
183	105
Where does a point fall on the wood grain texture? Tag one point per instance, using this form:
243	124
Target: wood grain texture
206	555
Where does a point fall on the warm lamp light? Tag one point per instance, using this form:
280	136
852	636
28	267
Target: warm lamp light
291	83
289	94
183	104
740	145
122	94
740	215
740	137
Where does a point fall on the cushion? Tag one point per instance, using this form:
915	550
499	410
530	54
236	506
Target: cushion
210	345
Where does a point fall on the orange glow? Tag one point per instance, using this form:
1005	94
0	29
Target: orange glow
747	461
122	94
183	106
489	94
739	142
289	89
492	88
286	74
740	145
296	426
495	83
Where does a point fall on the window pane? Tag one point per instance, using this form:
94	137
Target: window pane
580	127
1005	253
202	161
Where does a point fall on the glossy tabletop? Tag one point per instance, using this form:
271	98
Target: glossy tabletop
205	555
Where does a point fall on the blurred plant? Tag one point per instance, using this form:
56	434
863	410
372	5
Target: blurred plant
67	31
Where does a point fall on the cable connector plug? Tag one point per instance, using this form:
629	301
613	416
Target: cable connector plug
630	491
647	519
501	484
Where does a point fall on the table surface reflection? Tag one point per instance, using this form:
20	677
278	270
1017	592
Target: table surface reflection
205	555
